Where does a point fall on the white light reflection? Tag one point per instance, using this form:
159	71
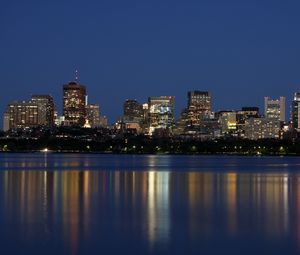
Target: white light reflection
285	202
158	207
45	202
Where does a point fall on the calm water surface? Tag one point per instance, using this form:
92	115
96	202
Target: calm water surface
119	204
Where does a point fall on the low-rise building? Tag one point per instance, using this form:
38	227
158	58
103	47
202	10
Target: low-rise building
262	128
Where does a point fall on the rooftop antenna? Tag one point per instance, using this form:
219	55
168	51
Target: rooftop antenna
76	75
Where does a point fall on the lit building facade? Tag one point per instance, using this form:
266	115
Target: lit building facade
228	122
262	128
199	105
6	118
182	123
242	116
248	112
93	115
103	121
22	115
134	117
126	125
296	111
74	104
46	109
161	113
133	110
59	120
275	109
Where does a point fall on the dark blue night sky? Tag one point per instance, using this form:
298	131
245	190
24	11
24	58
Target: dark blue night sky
238	50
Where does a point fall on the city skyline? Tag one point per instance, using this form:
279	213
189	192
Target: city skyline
59	107
127	50
156	117
150	127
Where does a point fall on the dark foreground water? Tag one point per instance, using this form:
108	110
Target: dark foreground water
117	204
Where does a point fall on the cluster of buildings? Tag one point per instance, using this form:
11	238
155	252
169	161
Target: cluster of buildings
198	121
40	110
156	117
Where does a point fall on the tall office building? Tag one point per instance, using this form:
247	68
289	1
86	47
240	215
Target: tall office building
161	113
199	106
45	108
296	111
74	102
182	123
22	115
275	109
133	117
93	115
133	110
6	118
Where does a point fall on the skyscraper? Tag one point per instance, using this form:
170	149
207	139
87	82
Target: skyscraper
275	109
296	111
133	110
45	108
74	102
161	113
93	115
199	105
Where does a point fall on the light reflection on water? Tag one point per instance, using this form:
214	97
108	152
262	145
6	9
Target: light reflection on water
76	211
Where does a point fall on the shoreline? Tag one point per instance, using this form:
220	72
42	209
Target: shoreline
151	154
